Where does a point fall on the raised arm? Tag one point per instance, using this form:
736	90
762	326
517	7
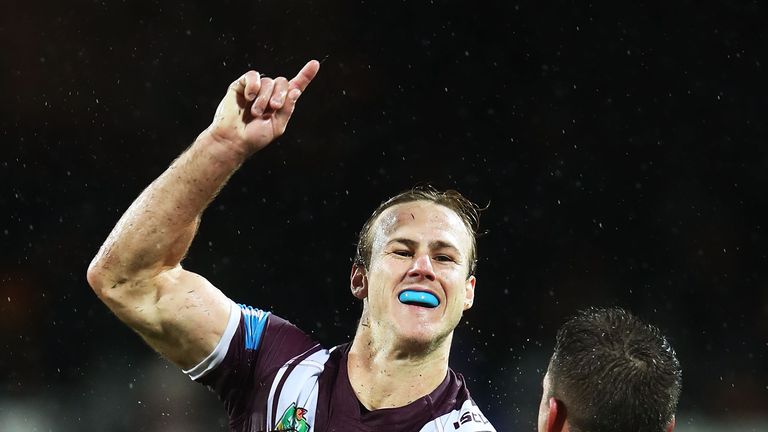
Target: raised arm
137	271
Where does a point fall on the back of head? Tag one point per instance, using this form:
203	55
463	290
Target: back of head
614	373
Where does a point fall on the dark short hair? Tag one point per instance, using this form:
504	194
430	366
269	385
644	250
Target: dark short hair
468	211
614	373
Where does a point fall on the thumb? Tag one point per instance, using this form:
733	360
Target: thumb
238	93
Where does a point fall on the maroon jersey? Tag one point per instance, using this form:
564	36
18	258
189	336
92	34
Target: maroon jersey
271	376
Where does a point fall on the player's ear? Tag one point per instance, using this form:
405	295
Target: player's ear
556	416
358	281
469	292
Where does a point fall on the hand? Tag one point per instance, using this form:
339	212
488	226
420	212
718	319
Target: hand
256	110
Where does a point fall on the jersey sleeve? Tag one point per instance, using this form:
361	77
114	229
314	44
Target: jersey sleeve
255	344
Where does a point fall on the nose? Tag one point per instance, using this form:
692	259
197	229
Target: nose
422	267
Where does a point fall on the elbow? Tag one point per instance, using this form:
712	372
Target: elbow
97	276
103	277
131	300
107	271
111	288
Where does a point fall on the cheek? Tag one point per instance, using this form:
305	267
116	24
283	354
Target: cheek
379	282
457	286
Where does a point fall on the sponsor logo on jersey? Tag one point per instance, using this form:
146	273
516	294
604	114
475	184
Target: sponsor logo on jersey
293	420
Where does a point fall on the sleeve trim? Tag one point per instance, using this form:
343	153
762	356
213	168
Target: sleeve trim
255	321
217	355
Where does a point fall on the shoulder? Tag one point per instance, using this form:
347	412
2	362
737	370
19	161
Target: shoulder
457	410
254	339
465	418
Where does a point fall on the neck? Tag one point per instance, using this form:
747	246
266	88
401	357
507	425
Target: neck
385	374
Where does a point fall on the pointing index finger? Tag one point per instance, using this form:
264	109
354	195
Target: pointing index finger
305	76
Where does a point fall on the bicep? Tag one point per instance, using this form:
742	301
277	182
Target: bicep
178	313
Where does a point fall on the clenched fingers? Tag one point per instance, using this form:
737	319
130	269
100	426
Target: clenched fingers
284	113
279	93
265	94
248	85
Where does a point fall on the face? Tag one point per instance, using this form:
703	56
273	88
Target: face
418	246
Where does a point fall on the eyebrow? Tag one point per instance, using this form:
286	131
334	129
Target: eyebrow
433	245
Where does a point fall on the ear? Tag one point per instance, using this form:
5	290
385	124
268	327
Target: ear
469	292
358	282
556	416
671	424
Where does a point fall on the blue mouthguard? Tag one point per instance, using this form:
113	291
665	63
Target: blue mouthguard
418	298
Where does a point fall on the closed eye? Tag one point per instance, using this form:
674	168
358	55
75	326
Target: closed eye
444	258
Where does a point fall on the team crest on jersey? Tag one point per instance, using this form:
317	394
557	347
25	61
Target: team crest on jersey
293	420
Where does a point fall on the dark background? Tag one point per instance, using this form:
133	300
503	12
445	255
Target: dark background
622	149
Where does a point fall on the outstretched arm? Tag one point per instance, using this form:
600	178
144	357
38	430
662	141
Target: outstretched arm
137	271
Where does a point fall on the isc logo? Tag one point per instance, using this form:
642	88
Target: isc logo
470	416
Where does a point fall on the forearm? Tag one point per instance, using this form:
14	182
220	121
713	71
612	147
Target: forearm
155	232
137	273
